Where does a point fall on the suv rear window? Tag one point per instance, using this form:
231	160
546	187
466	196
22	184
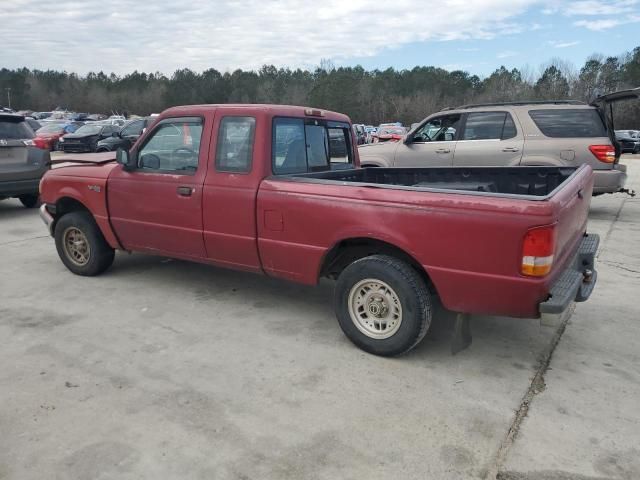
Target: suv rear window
569	123
14	129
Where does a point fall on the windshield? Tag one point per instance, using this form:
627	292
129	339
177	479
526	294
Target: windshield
88	130
14	130
54	128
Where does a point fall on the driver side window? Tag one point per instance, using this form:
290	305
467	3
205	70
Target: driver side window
439	129
173	148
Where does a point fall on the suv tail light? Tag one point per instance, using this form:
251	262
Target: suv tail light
604	153
537	251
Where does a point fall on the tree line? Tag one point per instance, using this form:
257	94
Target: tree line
370	97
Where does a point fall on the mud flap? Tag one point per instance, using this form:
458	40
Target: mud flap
461	338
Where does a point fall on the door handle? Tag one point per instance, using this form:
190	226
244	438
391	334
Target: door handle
185	191
443	150
510	149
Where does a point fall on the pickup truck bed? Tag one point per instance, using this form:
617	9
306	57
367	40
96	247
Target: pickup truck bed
535	182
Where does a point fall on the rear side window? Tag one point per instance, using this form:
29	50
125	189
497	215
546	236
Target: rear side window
301	145
569	123
234	149
489	126
14	130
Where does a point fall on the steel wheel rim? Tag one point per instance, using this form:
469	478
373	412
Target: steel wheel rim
375	309
76	246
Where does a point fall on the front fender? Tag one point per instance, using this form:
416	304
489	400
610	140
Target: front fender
89	192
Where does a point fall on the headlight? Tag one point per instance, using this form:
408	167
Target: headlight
61	139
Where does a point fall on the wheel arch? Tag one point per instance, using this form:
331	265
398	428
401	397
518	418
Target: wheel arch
348	250
67	204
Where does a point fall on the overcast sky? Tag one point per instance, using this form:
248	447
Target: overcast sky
164	35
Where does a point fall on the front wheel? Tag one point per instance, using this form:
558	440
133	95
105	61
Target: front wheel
81	245
383	305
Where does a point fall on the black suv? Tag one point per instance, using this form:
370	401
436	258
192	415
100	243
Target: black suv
126	137
22	164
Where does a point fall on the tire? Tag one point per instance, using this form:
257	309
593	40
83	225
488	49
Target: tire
382	305
90	259
30	201
102	149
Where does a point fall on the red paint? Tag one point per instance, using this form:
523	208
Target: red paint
470	246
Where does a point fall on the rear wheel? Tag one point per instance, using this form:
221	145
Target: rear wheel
383	305
81	245
30	201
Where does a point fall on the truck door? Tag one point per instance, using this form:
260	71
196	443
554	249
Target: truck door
156	205
230	189
489	138
432	145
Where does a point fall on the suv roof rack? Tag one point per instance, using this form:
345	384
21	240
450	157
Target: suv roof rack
523	102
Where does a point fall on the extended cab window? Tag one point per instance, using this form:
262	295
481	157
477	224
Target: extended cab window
174	147
235	144
569	122
301	145
489	126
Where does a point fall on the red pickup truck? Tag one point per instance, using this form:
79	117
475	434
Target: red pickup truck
278	190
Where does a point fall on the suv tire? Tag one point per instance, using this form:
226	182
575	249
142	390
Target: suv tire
30	200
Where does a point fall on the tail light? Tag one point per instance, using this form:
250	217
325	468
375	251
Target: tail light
537	251
604	153
40	143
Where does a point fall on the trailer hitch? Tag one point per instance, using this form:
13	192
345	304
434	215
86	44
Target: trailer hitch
628	191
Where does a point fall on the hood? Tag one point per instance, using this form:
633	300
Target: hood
49	135
76	136
87	170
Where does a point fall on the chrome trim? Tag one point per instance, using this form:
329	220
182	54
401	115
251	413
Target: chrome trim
46	218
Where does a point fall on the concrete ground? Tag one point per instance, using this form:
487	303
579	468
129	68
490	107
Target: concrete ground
164	369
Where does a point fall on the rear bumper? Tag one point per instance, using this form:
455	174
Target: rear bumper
13	188
609	181
578	280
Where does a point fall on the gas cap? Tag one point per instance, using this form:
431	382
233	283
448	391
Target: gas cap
567	155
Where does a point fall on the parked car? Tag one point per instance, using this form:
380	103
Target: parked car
41	115
563	133
86	138
21	163
389	133
229	185
124	138
34	124
48	136
629	141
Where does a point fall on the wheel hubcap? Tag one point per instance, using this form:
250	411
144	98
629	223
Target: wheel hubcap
76	246
375	309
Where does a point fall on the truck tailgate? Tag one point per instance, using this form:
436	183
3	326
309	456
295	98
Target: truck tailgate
571	210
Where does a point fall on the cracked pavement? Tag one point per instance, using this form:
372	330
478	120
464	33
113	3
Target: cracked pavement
166	369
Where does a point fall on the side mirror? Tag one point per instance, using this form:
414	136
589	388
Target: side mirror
115	134
122	157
